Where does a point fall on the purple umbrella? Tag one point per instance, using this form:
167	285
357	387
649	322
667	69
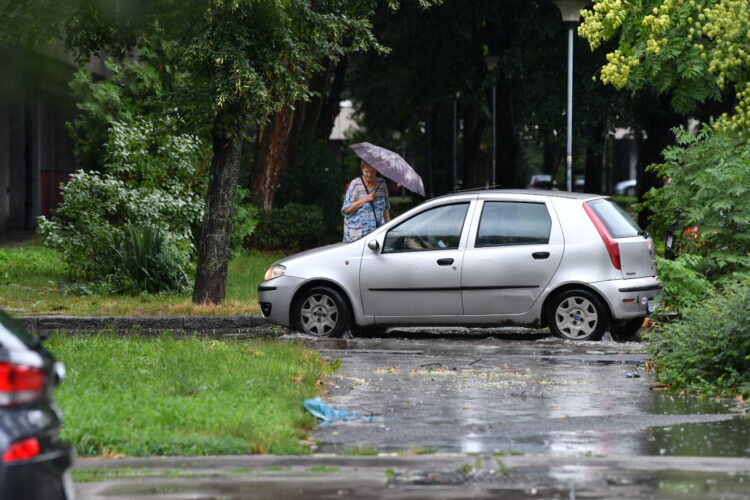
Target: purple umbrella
391	165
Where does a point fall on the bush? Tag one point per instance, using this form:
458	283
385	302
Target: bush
316	175
292	228
683	286
709	189
708	351
147	181
149	264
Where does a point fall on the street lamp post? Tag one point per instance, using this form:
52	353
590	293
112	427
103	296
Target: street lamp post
571	15
491	61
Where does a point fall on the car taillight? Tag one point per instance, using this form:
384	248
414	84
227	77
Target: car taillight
612	247
22	450
19	384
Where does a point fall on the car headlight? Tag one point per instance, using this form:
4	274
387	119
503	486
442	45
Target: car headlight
274	271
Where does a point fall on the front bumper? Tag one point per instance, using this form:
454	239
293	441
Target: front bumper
629	299
275	298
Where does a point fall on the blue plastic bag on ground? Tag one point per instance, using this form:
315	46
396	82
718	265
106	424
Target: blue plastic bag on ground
320	409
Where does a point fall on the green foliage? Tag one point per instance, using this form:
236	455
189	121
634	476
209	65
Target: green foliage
316	175
693	49
245	220
708	350
148	176
164	396
710	190
291	228
151	265
683	285
146	87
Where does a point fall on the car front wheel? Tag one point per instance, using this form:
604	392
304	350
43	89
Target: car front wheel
577	315
321	311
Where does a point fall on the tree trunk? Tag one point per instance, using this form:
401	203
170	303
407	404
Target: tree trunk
213	256
274	154
278	144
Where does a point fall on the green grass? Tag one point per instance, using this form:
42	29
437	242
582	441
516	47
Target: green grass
33	280
137	396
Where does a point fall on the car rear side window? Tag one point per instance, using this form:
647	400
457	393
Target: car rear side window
513	223
617	221
435	229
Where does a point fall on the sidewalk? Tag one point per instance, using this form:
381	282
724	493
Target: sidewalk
434	476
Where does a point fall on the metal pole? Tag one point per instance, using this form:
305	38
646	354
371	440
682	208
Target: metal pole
494	134
569	158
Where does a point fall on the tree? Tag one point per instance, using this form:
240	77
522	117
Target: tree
246	60
695	50
410	91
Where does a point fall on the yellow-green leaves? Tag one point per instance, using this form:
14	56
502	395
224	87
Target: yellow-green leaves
696	48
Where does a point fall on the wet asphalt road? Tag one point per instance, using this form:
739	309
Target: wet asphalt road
476	414
501	392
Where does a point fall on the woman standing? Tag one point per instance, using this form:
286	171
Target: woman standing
366	204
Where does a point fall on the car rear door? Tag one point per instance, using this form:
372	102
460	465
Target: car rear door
514	250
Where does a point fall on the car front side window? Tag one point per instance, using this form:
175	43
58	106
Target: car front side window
435	229
513	223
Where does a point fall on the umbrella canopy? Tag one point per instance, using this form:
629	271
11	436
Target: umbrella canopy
391	165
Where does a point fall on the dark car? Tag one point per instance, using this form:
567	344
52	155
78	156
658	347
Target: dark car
35	463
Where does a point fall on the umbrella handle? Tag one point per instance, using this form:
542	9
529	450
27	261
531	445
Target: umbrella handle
372	203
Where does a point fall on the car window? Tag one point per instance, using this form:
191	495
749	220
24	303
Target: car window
618	222
435	229
513	223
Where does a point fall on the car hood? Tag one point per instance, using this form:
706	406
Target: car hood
304	264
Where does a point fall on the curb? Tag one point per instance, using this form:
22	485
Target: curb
208	325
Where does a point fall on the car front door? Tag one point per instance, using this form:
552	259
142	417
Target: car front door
416	273
510	258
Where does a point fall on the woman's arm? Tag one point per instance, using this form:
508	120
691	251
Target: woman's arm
357	204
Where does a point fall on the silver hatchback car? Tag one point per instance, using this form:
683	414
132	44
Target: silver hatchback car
574	262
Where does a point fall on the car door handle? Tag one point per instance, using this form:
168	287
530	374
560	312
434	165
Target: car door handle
445	262
540	255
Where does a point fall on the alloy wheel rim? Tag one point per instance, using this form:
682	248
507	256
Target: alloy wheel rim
319	314
576	317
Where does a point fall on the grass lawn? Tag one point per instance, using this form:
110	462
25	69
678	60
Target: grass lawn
33	280
138	396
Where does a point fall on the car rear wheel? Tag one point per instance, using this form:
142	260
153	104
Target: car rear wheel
321	311
577	315
628	329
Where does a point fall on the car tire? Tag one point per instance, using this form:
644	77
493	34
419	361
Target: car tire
628	329
321	311
577	315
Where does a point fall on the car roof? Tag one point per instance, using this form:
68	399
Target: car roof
535	192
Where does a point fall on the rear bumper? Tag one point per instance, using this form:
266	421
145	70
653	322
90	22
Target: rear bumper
628	299
46	476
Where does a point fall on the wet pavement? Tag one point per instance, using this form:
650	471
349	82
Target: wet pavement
504	394
475	414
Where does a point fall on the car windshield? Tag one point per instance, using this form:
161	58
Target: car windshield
13	336
618	222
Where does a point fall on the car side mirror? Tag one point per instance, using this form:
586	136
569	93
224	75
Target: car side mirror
373	245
